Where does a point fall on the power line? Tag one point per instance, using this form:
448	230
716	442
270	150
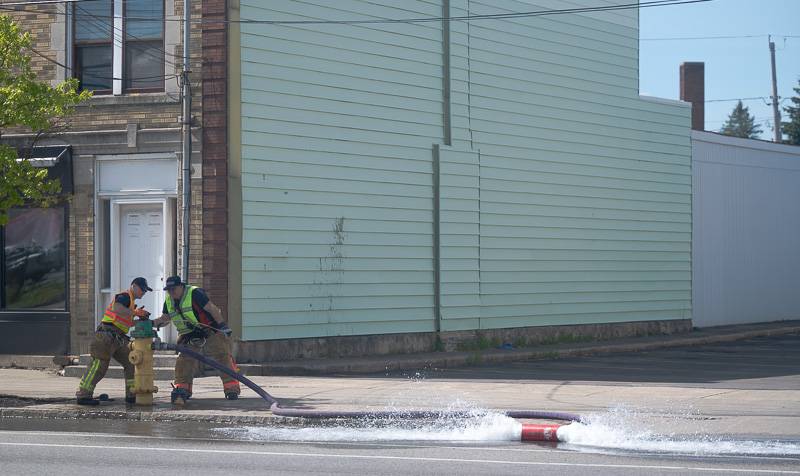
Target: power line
466	18
726	37
58	63
101	25
737	99
43	2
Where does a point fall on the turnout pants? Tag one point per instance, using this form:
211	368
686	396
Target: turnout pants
106	344
217	346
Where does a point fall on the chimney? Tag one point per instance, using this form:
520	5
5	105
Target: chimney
693	90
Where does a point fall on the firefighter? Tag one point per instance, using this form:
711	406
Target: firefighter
111	340
201	327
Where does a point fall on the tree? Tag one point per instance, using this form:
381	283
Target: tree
792	128
741	124
32	105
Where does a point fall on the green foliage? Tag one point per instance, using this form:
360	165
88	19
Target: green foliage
566	339
30	104
479	343
438	346
741	124
792	127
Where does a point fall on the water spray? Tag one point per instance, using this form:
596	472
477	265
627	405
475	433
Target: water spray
530	431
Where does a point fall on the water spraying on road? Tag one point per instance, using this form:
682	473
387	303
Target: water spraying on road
618	429
625	429
480	425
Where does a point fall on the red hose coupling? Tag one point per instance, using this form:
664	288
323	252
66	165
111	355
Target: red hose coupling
535	432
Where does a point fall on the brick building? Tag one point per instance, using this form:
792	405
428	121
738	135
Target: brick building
122	152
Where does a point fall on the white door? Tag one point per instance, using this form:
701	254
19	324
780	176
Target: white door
142	252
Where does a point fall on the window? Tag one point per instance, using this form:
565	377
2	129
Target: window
34	259
144	45
112	58
94	40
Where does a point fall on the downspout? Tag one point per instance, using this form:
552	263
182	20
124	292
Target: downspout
186	121
447	122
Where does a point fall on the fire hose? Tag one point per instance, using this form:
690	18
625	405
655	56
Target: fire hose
530	432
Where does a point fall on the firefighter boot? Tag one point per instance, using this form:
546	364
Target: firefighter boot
179	396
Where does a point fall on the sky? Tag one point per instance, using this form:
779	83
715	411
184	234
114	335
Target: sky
735	67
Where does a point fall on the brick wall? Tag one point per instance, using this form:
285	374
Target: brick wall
81	268
46	23
215	162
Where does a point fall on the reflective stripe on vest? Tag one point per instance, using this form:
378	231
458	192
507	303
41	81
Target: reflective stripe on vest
183	317
122	323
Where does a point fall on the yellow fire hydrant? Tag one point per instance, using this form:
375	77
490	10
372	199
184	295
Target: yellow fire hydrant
141	357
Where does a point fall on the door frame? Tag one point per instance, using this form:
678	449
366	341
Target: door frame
167	238
140	191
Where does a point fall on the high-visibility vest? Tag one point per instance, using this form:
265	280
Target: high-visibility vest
122	323
183	316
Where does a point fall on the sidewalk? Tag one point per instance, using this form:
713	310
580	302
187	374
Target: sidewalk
364	365
383	363
751	387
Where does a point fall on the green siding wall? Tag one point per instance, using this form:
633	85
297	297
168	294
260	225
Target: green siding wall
564	198
337	129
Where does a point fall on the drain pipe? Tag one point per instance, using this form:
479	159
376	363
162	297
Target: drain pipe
530	432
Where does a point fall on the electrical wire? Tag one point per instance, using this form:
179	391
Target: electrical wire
466	18
58	63
762	98
726	37
103	24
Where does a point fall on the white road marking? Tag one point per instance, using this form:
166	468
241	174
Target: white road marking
405	458
527	448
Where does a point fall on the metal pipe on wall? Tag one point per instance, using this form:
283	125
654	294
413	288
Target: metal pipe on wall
186	121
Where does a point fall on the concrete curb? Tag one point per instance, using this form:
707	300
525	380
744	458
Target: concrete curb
135	415
173	416
367	365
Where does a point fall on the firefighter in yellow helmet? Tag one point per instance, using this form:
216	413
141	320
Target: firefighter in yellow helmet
201	327
111	340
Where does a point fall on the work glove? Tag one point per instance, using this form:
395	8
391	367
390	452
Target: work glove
225	329
141	312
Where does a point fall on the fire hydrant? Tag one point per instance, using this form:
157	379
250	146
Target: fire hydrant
141	357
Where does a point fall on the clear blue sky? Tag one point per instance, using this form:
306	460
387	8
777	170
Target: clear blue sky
736	67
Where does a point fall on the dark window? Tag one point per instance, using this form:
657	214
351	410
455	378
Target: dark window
144	45
94	38
141	40
34	259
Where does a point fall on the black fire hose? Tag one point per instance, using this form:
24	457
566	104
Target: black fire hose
277	410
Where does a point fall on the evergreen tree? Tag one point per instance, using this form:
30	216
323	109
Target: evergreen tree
792	128
741	124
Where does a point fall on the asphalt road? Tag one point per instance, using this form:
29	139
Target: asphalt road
107	449
768	366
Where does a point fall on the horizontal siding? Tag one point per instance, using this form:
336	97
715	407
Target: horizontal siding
585	189
459	242
337	128
564	198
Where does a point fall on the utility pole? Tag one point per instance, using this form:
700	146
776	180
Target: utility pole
186	130
775	111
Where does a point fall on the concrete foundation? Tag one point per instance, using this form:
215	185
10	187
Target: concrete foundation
357	346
